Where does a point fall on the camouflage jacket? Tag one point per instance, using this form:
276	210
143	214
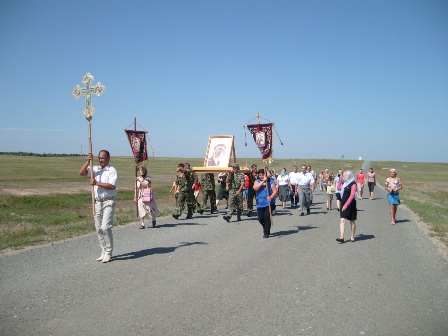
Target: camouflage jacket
235	181
193	178
208	181
184	182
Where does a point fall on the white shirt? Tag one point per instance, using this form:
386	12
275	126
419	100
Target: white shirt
293	177
305	179
107	175
283	179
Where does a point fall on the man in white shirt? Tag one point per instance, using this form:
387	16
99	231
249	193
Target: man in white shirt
313	174
293	195
104	180
305	184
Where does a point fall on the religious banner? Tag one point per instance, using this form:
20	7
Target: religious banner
137	140
262	134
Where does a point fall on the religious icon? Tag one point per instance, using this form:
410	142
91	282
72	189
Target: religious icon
218	151
217	156
260	139
136	145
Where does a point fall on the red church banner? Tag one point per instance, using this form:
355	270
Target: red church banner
262	134
137	140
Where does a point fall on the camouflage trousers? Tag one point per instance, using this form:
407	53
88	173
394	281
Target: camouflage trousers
250	199
235	202
196	204
206	194
182	198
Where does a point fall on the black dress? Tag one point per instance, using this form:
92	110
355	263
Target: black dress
351	212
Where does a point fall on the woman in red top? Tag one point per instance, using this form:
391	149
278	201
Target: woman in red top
361	181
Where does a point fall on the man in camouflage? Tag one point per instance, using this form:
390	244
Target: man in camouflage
183	183
208	191
253	175
235	186
194	181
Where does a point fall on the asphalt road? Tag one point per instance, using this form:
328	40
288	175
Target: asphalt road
208	277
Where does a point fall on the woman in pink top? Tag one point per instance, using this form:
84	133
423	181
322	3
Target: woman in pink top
348	205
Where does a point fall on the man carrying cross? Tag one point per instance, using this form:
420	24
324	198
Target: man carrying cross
104	179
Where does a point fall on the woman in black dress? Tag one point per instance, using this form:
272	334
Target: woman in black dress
348	205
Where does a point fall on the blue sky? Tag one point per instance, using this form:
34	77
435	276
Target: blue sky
350	77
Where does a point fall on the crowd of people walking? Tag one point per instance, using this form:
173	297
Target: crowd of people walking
239	189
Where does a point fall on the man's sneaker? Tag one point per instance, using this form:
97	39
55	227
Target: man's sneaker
201	211
249	214
189	216
176	216
226	218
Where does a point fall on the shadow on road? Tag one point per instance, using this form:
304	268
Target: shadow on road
289	232
177	224
280	234
364	237
151	251
282	213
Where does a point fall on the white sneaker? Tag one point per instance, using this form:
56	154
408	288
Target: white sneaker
100	258
106	258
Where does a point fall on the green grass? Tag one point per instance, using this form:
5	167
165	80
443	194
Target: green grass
425	191
43	199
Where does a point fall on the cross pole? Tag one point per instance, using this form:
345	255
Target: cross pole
88	111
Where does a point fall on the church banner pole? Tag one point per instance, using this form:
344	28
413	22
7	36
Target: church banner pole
88	111
136	171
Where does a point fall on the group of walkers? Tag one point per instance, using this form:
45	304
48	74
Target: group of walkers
264	186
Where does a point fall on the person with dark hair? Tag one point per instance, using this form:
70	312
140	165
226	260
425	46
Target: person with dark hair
337	183
235	186
265	198
251	192
104	179
348	205
145	207
222	192
184	192
194	182
305	186
283	187
371	182
293	194
361	182
208	191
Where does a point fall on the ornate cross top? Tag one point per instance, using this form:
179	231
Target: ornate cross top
87	91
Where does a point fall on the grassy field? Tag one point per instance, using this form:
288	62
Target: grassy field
43	199
425	191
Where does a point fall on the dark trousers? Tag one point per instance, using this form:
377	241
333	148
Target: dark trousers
294	198
250	199
265	220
